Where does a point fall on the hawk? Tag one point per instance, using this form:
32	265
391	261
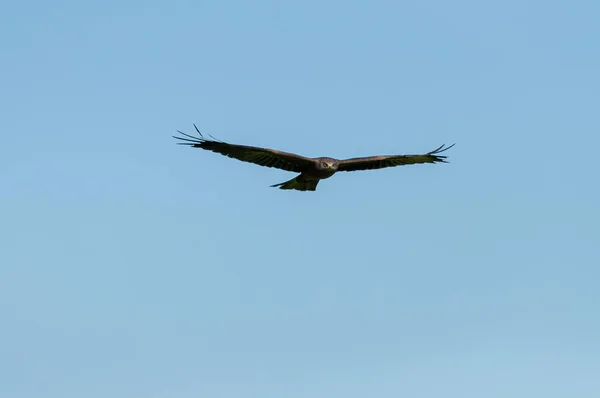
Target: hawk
312	170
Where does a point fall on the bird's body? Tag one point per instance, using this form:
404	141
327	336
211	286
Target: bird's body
308	179
312	170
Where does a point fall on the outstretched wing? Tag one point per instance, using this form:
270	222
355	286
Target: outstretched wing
260	156
379	162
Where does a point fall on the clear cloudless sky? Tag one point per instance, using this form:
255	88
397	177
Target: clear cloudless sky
134	267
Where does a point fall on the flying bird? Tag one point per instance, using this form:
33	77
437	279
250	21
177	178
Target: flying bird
312	170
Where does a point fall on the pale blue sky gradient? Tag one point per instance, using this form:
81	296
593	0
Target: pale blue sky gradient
133	267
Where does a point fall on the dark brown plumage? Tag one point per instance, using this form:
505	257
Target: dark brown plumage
311	170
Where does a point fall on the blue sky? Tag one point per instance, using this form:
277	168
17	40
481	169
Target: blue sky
131	266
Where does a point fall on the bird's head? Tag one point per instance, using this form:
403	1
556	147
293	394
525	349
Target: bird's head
327	163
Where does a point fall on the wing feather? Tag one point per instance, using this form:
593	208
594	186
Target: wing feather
261	156
380	162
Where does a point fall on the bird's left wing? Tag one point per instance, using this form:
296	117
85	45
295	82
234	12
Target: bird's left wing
379	162
260	156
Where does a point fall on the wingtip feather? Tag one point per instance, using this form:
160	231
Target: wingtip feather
441	149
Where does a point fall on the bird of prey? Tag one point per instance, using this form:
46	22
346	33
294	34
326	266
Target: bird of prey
312	170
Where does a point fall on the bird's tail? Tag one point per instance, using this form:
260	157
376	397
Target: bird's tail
298	184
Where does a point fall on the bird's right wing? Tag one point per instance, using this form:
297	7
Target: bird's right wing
261	156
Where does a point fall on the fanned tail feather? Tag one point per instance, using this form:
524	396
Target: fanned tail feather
298	184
